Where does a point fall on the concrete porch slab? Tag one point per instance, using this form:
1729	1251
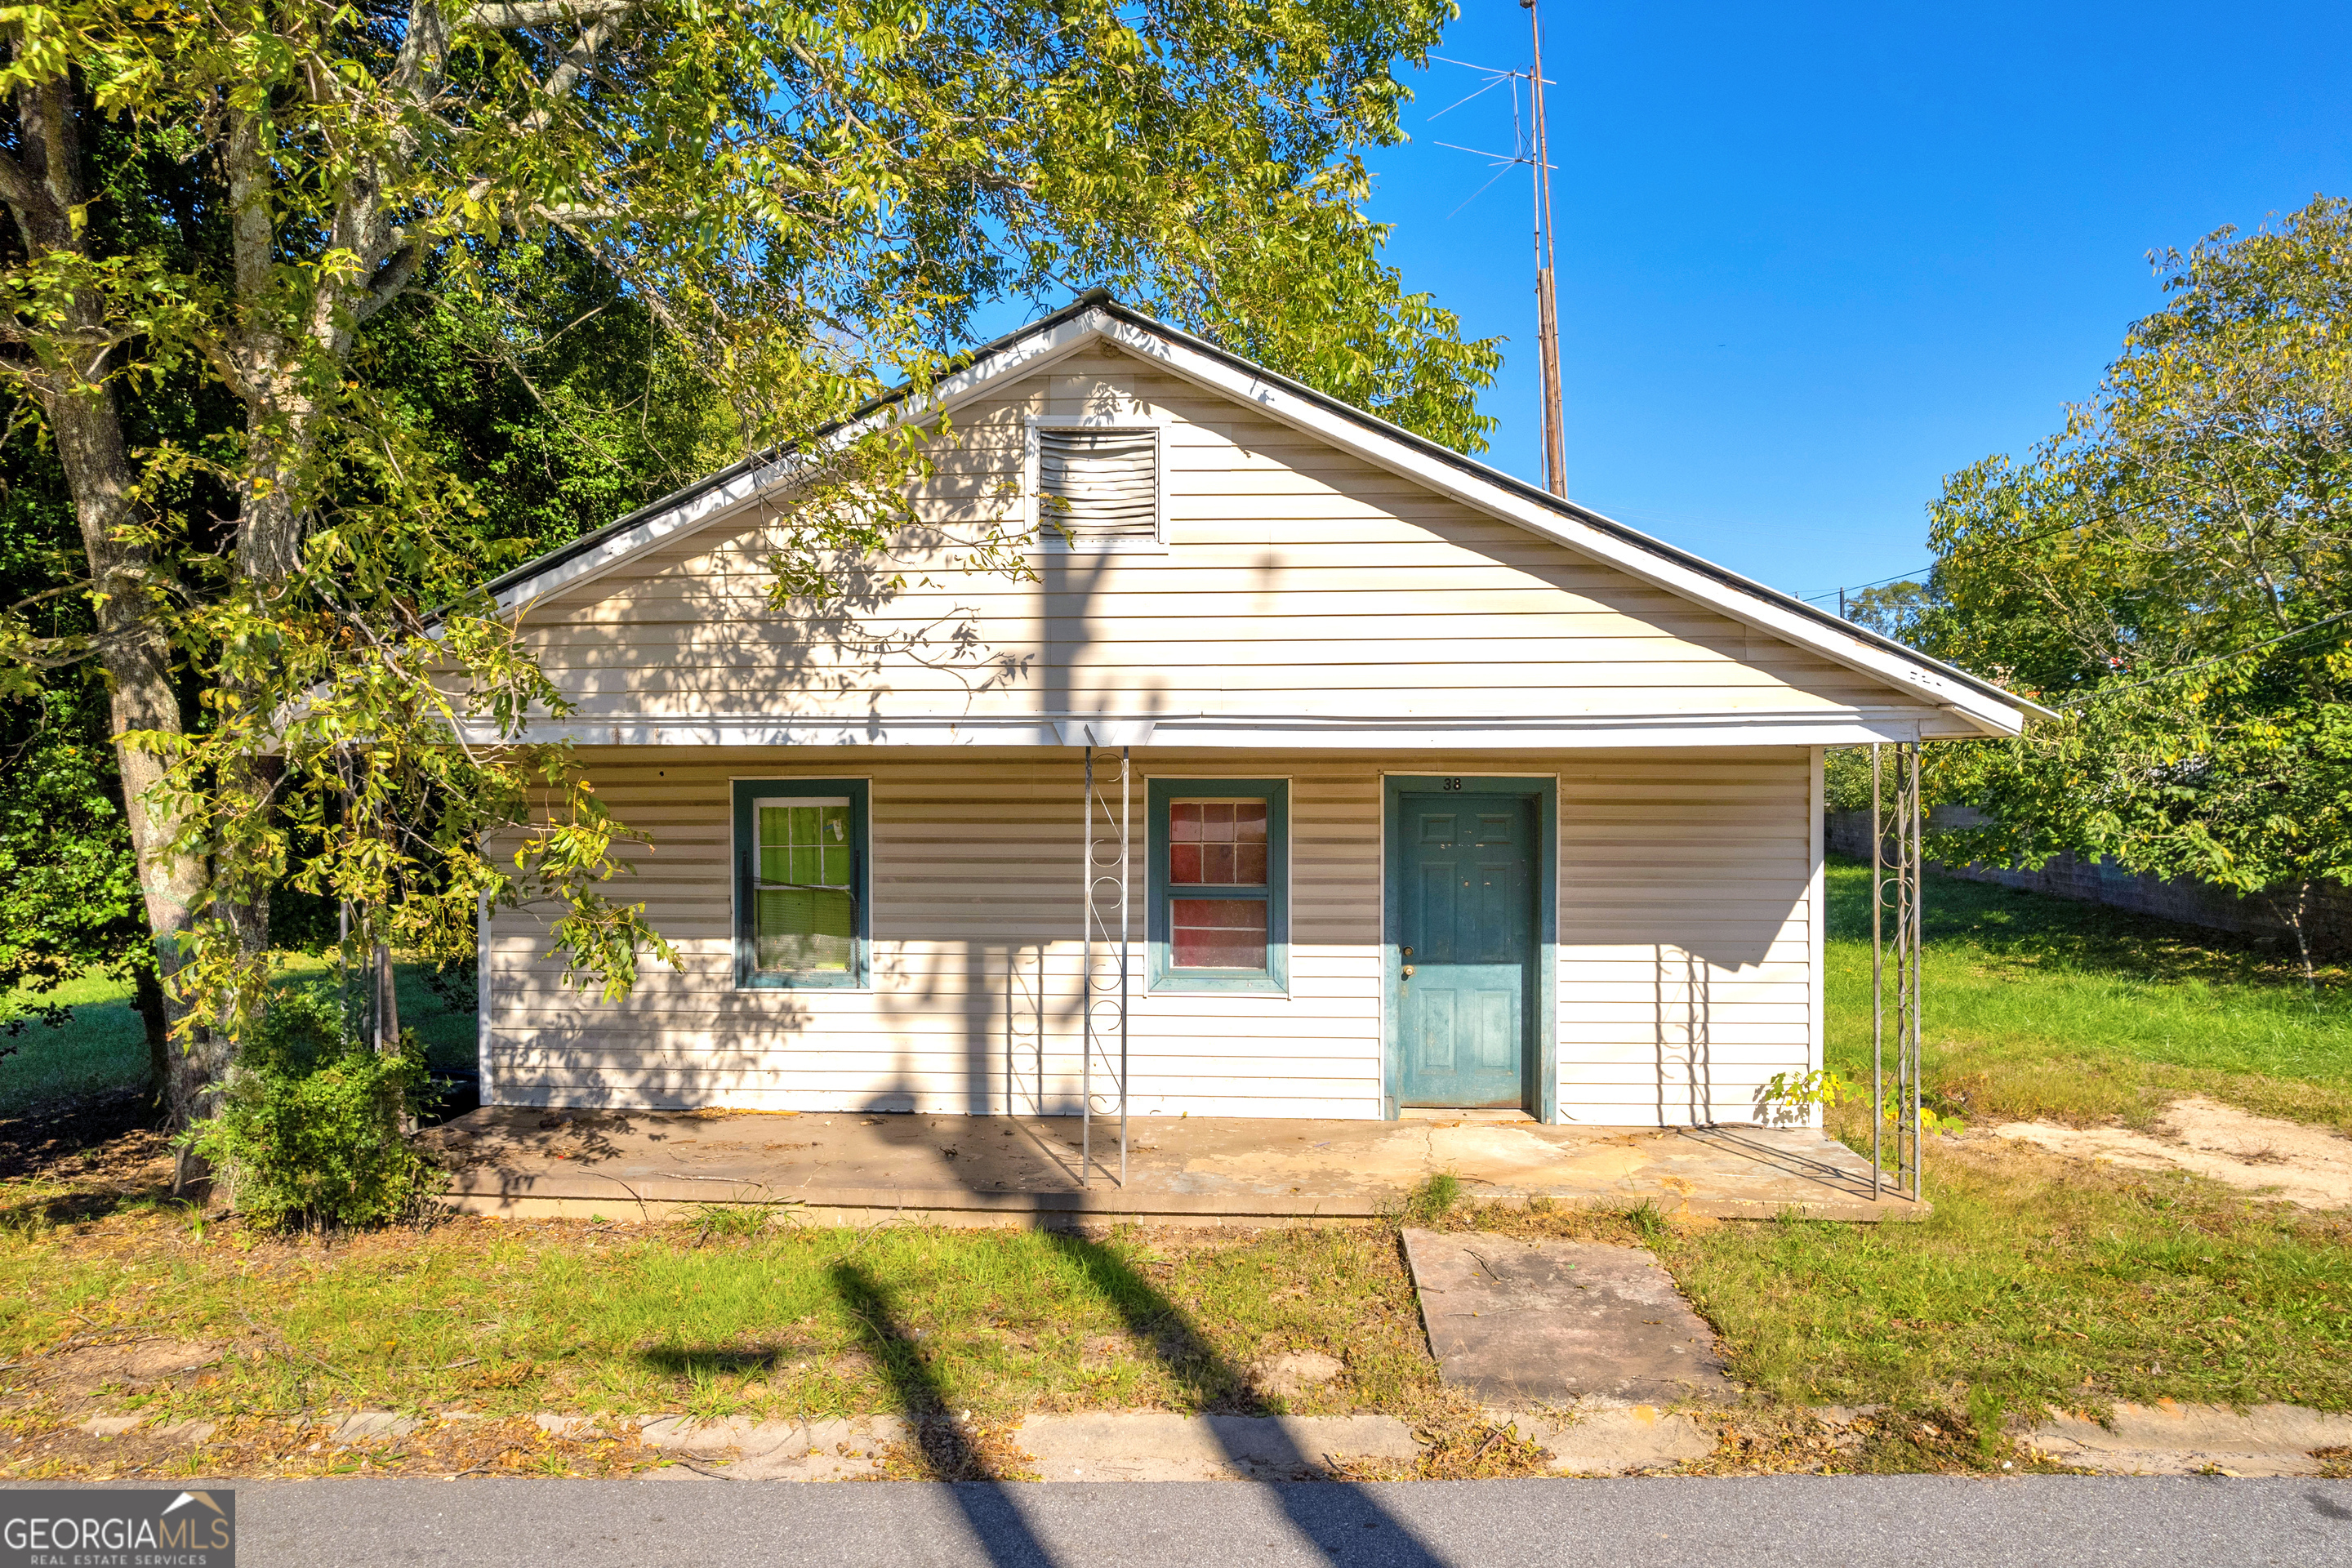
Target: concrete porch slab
524	1161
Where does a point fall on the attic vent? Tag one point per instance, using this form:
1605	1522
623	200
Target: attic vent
1097	488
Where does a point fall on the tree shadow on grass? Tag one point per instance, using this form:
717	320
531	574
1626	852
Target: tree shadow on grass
1345	1523
2043	931
741	1360
947	1450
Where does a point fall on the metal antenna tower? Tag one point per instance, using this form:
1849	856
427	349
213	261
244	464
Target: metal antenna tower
1547	299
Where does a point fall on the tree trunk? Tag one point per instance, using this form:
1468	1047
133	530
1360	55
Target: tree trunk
147	1000
45	187
2303	936
137	658
2295	917
387	1004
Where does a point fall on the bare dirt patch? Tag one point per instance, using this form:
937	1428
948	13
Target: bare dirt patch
2266	1155
132	1365
105	1139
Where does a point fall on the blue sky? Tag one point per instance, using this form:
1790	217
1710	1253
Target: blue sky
1815	256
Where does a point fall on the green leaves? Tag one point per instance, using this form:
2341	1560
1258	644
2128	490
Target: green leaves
317	268
2172	573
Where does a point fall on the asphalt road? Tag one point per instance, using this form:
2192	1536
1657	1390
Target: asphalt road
1790	1522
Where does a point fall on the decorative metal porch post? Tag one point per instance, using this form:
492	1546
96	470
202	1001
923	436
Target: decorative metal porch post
1896	892
1103	981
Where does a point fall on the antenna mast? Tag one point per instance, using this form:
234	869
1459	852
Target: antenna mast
1547	301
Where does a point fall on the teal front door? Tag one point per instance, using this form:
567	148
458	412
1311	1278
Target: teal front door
1464	948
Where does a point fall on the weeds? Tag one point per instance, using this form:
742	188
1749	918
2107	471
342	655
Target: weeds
1431	1203
1647	1223
729	1222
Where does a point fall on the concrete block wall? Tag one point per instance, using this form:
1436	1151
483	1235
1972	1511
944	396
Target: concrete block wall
2328	922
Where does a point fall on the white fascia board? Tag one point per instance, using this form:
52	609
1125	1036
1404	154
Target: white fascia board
1987	715
1262	731
1017	359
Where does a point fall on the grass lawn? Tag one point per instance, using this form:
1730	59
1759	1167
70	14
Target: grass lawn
2043	1008
2035	1280
102	1049
517	1318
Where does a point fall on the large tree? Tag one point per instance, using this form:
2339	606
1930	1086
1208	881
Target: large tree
2171	572
810	201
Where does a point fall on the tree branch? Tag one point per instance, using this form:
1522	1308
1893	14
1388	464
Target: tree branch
390	280
543	13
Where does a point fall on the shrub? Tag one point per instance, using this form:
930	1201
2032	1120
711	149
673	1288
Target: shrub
310	1130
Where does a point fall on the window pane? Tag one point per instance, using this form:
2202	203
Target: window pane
803	930
1217	933
805	845
1229	835
775	840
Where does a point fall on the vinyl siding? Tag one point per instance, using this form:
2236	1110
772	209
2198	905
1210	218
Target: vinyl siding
1685	943
1299	581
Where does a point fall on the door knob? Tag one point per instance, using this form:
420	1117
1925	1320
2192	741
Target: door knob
1406	971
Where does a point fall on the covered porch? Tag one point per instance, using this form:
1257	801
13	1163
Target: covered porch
852	1167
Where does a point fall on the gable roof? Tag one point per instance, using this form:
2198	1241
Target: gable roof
1095	316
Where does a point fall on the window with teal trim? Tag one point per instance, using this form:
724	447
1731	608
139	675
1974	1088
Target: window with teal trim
801	882
1220	894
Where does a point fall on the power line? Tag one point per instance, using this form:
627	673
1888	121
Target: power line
2094	695
2020	539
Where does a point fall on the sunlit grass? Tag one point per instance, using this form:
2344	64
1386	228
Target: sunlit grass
2042	1280
513	1318
2039	1006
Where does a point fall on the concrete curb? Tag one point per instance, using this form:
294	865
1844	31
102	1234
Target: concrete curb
2168	1439
1613	1441
1593	1439
1144	1445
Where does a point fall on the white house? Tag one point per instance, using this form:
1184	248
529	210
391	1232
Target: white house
1443	792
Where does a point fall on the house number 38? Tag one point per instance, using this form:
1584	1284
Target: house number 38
1452	783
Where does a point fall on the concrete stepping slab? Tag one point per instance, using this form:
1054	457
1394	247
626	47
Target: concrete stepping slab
2169	1438
1145	1446
1521	1323
186	1431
